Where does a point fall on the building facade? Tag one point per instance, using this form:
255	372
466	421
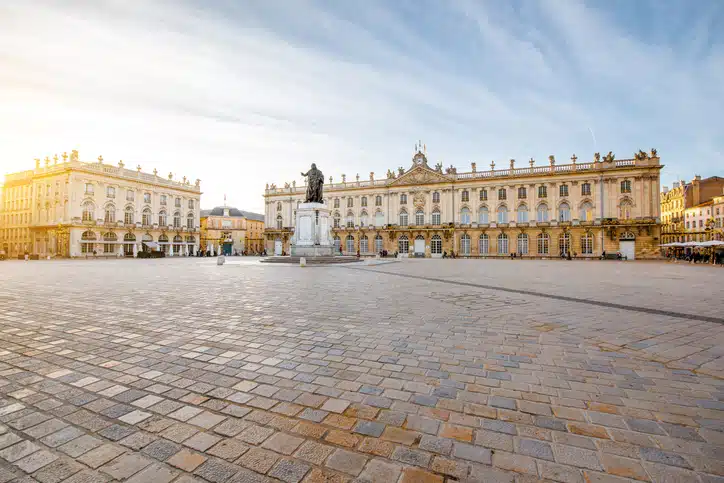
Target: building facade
682	197
230	231
74	209
718	213
536	211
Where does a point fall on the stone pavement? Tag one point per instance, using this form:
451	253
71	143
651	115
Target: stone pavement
420	371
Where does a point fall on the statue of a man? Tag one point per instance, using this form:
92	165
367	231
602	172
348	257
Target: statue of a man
315	183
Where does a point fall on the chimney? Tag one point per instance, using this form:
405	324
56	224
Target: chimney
675	185
697	177
666	189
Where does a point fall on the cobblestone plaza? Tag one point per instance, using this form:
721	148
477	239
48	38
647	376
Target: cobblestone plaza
414	371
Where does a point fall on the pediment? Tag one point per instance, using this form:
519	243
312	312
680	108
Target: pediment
420	175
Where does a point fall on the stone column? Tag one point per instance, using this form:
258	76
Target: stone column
120	249
135	250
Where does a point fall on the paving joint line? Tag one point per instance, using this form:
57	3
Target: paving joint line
600	303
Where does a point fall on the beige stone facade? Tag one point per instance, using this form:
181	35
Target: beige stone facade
581	208
231	231
677	207
71	208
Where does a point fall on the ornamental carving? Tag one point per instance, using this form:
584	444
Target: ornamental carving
420	176
418	199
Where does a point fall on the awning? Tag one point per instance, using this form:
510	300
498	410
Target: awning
151	245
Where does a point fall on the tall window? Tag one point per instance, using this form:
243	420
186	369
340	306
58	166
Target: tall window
586	189
522	215
587	244
350	219
543	243
163	199
436	197
403	199
364	245
110	214
403	218
502	215
350	202
146	197
564	212
88	239
436	245
190	221
483	215
128	215
177	202
483	195
465	216
523	244
89	188
363	201
191	204
419	217
162	222
586	212
403	244
466	195
177	220
378	200
502	244
564	244
522	193
484	244
335	219
379	218
363	221
502	194
379	244
130	195
542	213
465	245
280	222
626	186
163	241
336	203
563	190
624	210
349	244
436	217
108	242
146	216
88	210
542	192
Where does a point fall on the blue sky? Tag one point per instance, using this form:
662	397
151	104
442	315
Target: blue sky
241	93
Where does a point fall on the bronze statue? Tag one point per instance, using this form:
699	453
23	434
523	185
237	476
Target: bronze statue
315	184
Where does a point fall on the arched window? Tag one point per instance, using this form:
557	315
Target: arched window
465	195
379	244
190	240
378	200
379	218
564	244
88	239
483	195
337	244
522	215
129	237
280	222
128	215
465	245
436	197
523	243
587	244
484	244
586	212
146	217
147	237
403	219
436	217
177	242
350	220
363	221
624	210
502	244
436	245
190	221
364	245
465	216
522	193
162	221
349	244
626	186
543	243
177	220
564	212
109	240
483	215
419	217
363	201
335	219
403	199
503	214
110	214
88	210
542	213
403	244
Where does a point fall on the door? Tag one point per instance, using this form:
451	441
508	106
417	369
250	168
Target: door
627	249
419	246
277	247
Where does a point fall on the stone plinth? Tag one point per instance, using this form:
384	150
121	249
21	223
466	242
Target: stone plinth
312	236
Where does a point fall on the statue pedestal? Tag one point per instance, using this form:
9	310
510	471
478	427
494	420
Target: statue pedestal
312	236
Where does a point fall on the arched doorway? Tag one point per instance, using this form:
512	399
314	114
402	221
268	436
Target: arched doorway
436	246
627	245
129	239
419	246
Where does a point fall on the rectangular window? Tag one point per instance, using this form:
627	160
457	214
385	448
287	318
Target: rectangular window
585	189
502	194
522	193
110	192
483	195
146	197
542	192
163	199
88	189
129	195
563	191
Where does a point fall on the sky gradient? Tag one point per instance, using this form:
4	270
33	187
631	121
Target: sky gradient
241	93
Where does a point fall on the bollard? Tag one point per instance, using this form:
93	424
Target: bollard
302	262
220	260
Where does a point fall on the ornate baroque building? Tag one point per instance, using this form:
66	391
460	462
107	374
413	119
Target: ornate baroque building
228	230
536	211
73	208
677	209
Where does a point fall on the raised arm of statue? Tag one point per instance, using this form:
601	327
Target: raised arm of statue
305	174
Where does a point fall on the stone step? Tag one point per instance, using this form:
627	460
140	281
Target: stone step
312	260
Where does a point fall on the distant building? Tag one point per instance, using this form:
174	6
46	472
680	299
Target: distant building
75	208
228	230
684	205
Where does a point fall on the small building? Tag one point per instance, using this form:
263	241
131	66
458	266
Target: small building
682	197
230	231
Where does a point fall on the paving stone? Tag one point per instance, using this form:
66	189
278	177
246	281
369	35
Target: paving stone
534	448
290	471
378	471
454	468
155	473
282	443
472	453
656	455
100	455
126	466
436	445
255	434
411	456
258	459
228	449
573	456
369	428
58	470
116	432
161	449
186	460
18	451
346	462
313	452
35	461
201	441
624	467
416	475
216	471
